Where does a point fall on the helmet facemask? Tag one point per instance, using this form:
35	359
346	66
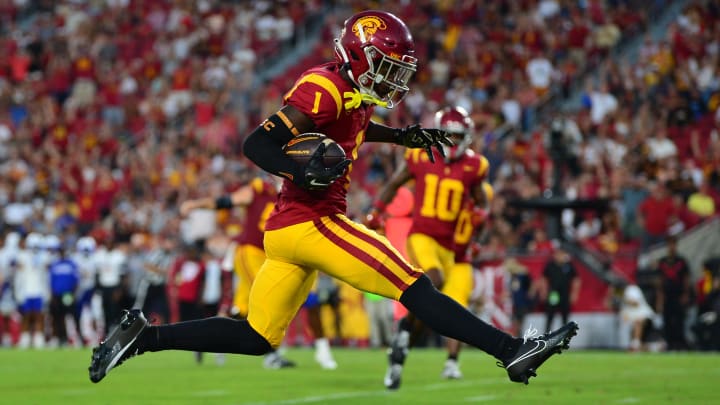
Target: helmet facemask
387	77
461	141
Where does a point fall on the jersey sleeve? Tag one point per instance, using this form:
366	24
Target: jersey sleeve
483	166
258	186
317	97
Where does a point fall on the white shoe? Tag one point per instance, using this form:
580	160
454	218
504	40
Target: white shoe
24	342
38	341
323	356
325	360
451	371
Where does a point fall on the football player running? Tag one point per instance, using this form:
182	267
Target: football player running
308	229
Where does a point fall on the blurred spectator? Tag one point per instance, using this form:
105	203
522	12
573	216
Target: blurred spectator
32	291
8	267
523	292
701	202
560	288
152	292
707	326
186	281
64	278
656	213
637	319
674	296
540	244
112	282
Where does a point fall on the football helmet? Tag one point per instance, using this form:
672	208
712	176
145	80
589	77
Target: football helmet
460	128
377	49
51	243
86	244
34	241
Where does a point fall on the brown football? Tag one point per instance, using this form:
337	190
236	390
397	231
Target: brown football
302	147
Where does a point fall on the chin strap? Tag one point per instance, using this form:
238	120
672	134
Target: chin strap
354	99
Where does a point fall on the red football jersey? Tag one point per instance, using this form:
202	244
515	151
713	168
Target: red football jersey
441	189
257	213
324	96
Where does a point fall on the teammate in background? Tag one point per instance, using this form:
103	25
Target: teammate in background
308	229
112	282
468	228
64	276
87	315
32	291
258	199
441	192
8	266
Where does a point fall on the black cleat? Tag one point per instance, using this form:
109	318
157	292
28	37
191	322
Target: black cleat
535	350
275	361
118	346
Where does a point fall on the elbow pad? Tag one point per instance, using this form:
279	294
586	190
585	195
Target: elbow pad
264	147
223	202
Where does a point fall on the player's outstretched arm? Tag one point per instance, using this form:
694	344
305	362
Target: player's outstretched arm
412	136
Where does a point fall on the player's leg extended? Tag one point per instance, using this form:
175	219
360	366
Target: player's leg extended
364	259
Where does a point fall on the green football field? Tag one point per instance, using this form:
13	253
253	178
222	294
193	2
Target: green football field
575	377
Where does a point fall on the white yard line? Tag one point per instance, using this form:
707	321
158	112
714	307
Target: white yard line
384	393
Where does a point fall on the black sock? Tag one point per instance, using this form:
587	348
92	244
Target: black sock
405	324
453	356
448	318
213	335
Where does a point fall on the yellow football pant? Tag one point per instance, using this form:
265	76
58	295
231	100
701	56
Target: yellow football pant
333	244
247	262
427	254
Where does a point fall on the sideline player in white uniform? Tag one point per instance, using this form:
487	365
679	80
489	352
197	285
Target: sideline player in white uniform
89	308
32	291
8	265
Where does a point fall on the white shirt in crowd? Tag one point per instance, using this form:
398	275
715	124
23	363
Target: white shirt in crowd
540	72
661	148
603	103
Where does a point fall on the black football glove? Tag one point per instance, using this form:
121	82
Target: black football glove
413	136
319	177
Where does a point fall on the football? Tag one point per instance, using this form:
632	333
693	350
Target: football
302	147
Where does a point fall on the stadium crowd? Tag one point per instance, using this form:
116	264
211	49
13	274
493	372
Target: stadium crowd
113	112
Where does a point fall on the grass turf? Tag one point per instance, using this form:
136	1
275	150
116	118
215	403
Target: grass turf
60	377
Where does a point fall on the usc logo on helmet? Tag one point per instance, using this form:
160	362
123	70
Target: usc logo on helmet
366	27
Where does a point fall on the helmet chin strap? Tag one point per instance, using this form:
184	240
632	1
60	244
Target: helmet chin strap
355	98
